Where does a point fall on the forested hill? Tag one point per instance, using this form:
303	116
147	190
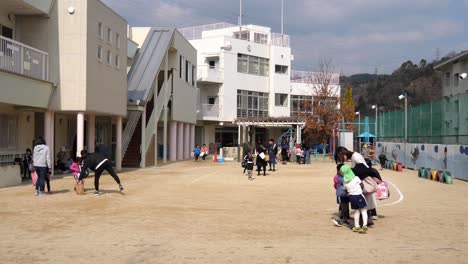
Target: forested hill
420	81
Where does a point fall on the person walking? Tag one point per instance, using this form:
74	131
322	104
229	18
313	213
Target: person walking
260	158
272	153
97	163
42	165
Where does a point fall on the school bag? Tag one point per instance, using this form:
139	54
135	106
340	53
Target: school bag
369	186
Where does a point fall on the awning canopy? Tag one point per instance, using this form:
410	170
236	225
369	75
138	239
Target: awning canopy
271	121
366	135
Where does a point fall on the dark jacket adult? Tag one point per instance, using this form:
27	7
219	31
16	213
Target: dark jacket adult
92	161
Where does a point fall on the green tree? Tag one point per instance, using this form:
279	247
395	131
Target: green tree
347	107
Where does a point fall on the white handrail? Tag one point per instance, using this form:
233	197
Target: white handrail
23	59
161	100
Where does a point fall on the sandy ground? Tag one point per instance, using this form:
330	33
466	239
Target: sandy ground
209	213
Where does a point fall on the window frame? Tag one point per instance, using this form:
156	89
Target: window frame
99	53
117	61
117	40
283	69
109	35
100	30
109	57
281	100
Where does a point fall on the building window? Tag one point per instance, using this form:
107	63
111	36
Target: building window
8	131
100	30
456	79
109	35
212	100
212	64
251	104
193	75
252	65
261	38
242	63
186	70
447	79
180	66
264	66
245	35
301	105
6	32
117	40
117	61
283	69
281	99
109	57
99	53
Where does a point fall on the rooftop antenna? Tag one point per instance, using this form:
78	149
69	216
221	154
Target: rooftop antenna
240	19
282	17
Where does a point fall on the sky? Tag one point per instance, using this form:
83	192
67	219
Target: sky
358	36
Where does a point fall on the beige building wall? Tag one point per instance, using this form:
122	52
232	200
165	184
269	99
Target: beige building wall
71	41
106	82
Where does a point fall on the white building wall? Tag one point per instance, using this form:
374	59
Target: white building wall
280	83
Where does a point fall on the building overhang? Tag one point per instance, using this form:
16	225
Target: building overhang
24	91
270	122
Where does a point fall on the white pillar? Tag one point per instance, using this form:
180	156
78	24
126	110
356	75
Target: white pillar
91	133
192	138
166	94
244	133
143	139
79	133
118	145
299	135
186	141
49	135
156	143
173	141
180	141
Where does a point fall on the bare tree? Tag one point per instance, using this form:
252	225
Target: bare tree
325	105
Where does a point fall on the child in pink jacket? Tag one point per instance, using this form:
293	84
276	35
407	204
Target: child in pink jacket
75	167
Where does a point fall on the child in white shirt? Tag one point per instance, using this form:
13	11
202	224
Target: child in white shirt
352	185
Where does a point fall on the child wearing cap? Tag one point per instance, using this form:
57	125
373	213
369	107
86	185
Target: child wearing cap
352	185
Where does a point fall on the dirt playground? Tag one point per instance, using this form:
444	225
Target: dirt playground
208	212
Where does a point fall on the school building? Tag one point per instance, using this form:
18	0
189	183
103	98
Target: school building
247	89
63	76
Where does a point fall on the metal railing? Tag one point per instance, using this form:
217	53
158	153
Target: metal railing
206	73
22	59
208	111
314	77
276	39
9	158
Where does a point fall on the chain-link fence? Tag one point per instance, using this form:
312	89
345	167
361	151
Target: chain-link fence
443	121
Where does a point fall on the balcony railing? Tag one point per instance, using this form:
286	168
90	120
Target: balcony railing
314	77
207	74
208	112
276	39
22	59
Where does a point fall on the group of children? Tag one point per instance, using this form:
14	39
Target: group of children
200	152
356	185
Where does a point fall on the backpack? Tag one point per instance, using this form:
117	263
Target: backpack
369	186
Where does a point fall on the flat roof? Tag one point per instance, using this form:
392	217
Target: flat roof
458	57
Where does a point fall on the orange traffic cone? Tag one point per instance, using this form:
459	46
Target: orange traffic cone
215	157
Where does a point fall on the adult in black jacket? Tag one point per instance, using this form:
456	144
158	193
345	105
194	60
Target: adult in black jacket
261	162
97	163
